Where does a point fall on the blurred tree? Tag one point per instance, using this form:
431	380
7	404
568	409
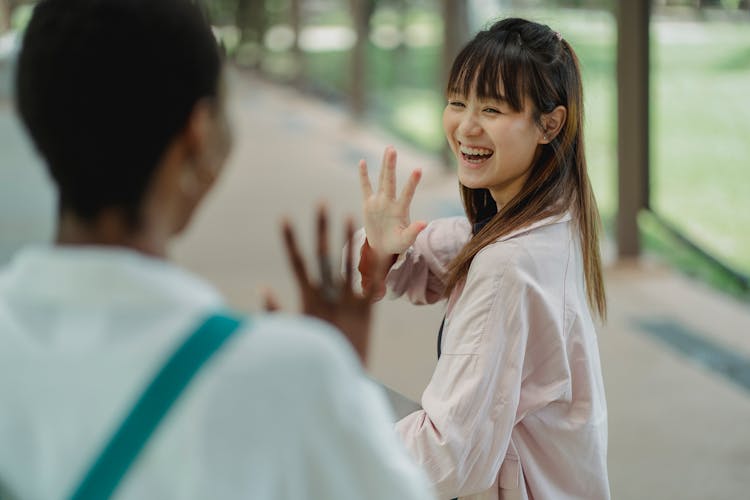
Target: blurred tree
220	12
7	8
591	4
456	31
20	13
456	34
295	19
4	16
251	19
681	3
402	70
361	11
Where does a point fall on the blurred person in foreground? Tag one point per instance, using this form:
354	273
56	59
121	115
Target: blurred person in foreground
124	99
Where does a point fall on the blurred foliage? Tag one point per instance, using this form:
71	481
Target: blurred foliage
231	11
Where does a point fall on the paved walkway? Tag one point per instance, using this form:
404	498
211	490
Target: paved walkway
678	429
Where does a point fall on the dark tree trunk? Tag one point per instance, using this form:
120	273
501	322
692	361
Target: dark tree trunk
456	34
250	19
4	16
361	11
295	18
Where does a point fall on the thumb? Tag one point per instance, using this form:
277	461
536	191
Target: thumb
270	302
410	233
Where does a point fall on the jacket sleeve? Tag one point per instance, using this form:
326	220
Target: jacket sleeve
419	272
471	404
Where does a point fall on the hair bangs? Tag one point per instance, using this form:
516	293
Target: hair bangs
494	67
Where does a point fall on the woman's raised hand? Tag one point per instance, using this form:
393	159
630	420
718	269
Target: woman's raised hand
387	226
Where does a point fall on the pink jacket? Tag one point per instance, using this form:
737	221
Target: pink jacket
516	406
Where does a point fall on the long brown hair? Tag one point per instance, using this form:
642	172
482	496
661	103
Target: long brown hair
524	62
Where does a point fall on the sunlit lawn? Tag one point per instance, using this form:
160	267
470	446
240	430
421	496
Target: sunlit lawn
700	117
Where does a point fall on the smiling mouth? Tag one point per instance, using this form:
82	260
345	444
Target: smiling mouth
475	155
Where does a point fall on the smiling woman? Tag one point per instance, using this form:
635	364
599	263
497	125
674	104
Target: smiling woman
515	408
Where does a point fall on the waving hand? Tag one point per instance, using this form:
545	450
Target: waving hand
387	224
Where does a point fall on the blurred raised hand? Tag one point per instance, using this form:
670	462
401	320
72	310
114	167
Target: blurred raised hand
331	299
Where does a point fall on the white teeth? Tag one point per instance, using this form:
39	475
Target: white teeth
475	151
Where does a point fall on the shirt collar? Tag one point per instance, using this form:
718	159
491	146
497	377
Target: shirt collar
547	221
102	276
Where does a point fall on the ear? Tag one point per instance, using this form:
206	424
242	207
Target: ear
198	140
552	123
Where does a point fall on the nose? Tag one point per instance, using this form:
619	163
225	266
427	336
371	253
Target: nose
469	126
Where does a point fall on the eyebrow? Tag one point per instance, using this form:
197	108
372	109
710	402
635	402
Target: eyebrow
454	94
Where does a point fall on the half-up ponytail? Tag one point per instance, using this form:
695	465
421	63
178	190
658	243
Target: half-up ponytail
540	68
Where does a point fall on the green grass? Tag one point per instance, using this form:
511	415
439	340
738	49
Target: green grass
700	119
701	139
676	253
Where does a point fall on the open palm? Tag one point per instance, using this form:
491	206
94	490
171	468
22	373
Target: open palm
387	224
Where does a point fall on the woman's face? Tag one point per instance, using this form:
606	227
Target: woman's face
495	145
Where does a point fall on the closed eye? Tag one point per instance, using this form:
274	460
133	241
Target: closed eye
456	104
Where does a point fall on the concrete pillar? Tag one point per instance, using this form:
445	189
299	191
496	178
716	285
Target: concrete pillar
632	121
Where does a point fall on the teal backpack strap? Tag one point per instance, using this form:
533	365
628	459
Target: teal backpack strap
126	444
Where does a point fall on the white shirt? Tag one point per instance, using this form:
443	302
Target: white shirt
516	405
283	411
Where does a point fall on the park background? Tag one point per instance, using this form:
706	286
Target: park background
700	94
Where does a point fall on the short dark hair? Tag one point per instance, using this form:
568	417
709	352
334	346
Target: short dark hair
103	86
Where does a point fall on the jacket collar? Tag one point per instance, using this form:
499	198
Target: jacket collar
547	221
101	277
